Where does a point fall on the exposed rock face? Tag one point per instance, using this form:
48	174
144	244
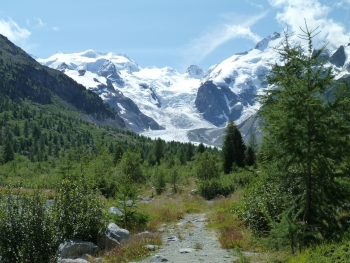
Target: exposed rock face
217	103
195	72
109	71
76	248
339	57
262	45
127	109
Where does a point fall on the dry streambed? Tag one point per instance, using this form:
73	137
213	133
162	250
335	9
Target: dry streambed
189	241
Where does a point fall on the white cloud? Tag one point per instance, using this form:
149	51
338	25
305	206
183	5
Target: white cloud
55	28
14	32
295	11
255	4
202	46
39	23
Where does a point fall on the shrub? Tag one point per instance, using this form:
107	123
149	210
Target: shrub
26	228
77	210
209	189
262	203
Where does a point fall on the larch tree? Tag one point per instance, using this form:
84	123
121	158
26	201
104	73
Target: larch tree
306	126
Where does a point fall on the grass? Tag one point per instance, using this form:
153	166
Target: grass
134	249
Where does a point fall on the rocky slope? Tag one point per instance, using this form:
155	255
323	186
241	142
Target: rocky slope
194	106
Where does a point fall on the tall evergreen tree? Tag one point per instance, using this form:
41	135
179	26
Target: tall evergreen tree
306	127
233	148
158	150
251	151
8	154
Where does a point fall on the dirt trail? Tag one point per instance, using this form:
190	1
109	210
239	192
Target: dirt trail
189	241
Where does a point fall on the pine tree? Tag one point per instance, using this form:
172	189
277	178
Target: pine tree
201	148
8	154
233	148
306	124
251	151
158	151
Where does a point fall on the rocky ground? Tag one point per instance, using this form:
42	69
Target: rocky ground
189	241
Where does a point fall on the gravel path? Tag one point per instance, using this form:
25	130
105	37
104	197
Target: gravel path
189	241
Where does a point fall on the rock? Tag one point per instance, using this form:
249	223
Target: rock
144	234
129	203
140	197
158	258
151	247
193	191
172	239
114	210
185	250
113	236
90	258
69	260
76	248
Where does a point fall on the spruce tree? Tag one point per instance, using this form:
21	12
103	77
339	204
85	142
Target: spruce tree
233	148
8	154
158	150
306	125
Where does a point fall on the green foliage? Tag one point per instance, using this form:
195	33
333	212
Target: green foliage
26	228
158	151
307	129
159	181
214	187
233	148
332	253
77	210
206	167
263	202
174	178
130	166
8	154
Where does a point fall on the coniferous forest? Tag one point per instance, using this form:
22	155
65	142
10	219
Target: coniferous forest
286	196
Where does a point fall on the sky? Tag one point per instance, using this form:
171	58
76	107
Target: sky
167	33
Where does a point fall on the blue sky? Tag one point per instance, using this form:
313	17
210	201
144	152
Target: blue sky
163	32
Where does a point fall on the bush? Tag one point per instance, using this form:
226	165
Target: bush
26	228
262	202
77	210
209	189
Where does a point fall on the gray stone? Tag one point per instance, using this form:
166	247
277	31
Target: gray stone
151	247
158	258
185	250
114	210
172	239
113	236
69	260
76	248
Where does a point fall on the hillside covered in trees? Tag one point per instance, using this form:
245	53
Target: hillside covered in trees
287	199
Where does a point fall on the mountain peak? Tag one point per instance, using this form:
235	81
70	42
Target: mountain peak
90	53
195	72
262	45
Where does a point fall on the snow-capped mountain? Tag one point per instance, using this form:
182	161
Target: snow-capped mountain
194	106
146	98
228	91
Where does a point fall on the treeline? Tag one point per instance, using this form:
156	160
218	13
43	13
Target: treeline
40	135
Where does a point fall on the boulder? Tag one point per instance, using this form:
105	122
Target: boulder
113	236
76	249
114	210
158	258
69	260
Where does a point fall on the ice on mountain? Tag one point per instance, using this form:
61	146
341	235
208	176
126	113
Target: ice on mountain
262	45
194	71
